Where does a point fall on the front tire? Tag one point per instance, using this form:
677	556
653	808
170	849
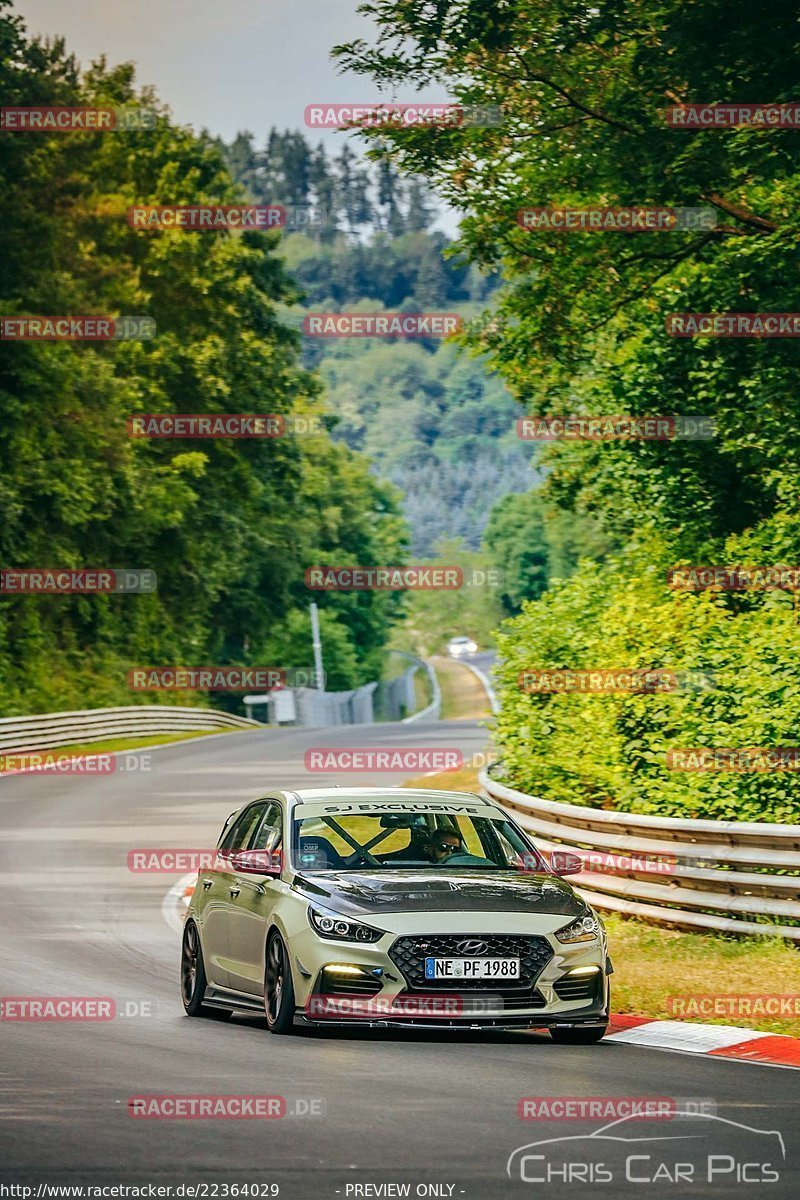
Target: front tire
193	978
278	987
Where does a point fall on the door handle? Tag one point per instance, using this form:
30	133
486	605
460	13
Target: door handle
207	884
234	891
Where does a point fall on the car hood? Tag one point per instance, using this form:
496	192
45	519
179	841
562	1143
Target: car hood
359	893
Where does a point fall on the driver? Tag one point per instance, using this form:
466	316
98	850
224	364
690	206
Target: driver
417	849
443	844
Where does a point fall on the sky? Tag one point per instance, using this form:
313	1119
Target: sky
224	65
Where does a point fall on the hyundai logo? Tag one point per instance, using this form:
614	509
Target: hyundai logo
472	946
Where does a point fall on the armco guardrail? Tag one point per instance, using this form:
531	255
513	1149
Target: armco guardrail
319	710
679	872
434	710
51	730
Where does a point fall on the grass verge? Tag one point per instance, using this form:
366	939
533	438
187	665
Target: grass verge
463	695
653	963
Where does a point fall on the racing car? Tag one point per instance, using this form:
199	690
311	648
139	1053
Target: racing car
392	907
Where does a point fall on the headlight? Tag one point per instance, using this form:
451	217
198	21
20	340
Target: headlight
585	929
341	929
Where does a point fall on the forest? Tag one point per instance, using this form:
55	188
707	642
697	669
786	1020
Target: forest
586	330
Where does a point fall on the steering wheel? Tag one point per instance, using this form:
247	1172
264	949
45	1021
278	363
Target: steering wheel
466	860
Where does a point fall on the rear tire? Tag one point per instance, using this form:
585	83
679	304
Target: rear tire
577	1036
193	978
278	987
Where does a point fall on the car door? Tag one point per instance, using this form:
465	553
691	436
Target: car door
216	885
253	898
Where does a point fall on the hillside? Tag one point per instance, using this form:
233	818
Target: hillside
433	420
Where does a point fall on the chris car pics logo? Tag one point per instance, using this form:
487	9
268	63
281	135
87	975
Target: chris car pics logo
701	1150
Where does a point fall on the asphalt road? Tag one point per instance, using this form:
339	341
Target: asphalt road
400	1108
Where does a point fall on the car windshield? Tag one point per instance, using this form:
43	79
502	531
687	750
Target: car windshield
411	841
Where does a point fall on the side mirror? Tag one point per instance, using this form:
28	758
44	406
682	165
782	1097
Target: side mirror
564	862
256	862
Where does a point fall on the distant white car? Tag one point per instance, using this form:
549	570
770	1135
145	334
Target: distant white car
461	647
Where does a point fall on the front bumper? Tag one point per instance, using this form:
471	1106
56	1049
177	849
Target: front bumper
382	984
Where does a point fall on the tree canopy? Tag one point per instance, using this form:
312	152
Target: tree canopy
229	527
583	93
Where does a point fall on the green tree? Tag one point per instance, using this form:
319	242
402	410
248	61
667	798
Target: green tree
609	750
515	543
533	543
352	187
582	93
228	527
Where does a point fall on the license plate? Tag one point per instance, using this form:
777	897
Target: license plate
472	968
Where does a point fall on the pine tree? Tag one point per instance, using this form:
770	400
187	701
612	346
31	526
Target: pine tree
323	196
419	213
353	184
243	162
390	199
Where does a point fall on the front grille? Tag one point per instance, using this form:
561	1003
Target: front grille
580	987
409	953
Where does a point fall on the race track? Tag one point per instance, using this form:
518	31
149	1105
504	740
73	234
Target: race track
416	1108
